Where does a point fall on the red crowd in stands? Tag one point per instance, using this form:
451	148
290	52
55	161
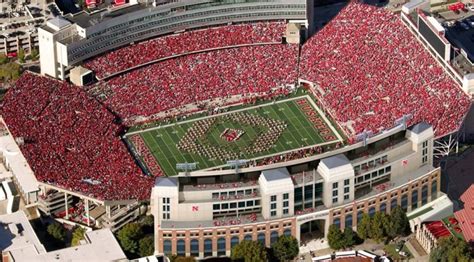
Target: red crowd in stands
199	77
71	140
192	41
370	70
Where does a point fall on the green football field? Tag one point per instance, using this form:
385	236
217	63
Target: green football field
249	133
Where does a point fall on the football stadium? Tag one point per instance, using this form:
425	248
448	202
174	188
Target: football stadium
228	121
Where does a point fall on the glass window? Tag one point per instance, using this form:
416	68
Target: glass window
434	190
181	248
334	200
225	206
371	211
167	246
308	192
393	203
346	197
250	203
405	202
367	177
261	238
273	206
233	205
286	196
248	237
273	198
207	247
374	174
348	220
216	207
347	182
334	185
242	204
273	237
285	203
234	241
334	193
424	195
248	191
337	222
414	199
221	246
273	213
298	194
194	247
383	207
287	232
346	190
257	202
215	195
285	211
388	169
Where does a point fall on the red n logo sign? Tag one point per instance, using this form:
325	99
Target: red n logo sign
195	208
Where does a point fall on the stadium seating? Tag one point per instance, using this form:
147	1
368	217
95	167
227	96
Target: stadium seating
370	70
192	41
199	77
71	141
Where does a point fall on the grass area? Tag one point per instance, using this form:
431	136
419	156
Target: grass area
394	255
299	131
421	212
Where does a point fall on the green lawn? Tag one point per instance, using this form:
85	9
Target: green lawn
298	132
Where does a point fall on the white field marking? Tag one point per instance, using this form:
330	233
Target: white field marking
227	113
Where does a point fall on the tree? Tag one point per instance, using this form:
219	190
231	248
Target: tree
249	251
21	55
363	227
335	237
34	54
182	259
451	249
57	231
399	221
128	237
285	248
349	237
3	59
377	227
77	236
146	246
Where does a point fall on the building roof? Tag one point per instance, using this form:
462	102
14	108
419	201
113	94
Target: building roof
276	174
166	182
101	244
420	127
438	229
16	234
335	161
466	216
57	23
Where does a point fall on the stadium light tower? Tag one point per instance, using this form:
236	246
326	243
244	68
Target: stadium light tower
236	164
186	167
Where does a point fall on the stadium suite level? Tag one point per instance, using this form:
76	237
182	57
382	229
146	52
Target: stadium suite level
207	215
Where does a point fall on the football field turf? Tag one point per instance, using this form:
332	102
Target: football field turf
251	132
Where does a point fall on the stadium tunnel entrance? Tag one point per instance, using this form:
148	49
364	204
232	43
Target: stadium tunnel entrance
312	230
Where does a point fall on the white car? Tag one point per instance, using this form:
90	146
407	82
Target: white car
470	7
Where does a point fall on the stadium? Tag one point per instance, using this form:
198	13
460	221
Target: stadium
227	122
